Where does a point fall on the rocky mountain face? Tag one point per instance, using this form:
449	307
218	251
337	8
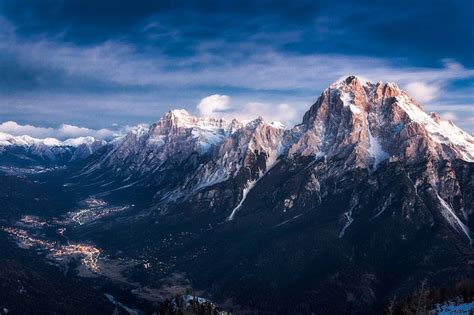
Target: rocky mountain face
353	126
361	125
374	122
181	155
25	151
360	203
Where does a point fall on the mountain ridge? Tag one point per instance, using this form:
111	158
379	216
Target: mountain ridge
354	124
358	204
357	99
26	151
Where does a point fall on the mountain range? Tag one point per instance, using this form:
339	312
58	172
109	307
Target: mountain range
364	200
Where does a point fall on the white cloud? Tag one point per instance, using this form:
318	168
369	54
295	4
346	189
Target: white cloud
64	131
287	114
422	91
114	62
220	106
449	116
15	129
265	71
70	131
212	104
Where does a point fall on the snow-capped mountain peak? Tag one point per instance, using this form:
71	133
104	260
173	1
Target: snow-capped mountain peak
375	121
352	79
354	120
27	141
178	134
28	151
443	132
364	122
75	142
181	118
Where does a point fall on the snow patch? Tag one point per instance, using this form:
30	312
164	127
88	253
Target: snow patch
207	138
451	307
347	101
350	219
355	109
441	131
78	141
277	124
288	203
247	189
453	219
375	148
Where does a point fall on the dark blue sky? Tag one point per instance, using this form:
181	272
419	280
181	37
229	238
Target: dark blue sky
104	63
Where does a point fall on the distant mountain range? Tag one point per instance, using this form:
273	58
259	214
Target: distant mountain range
26	151
359	203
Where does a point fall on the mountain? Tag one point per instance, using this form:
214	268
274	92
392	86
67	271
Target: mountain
182	154
375	122
25	151
359	204
354	125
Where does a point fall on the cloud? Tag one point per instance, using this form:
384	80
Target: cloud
212	104
64	131
449	116
461	115
284	113
220	106
70	131
422	91
117	81
251	64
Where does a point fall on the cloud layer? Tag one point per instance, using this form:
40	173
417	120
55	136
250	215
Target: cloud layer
423	92
63	132
132	62
221	106
213	104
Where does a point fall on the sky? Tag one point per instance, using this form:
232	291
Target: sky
72	68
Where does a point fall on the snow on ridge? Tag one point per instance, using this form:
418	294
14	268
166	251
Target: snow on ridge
260	121
27	141
343	81
181	118
180	113
441	131
75	142
140	130
208	131
278	125
205	131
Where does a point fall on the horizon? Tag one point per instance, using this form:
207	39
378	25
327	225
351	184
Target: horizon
213	108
